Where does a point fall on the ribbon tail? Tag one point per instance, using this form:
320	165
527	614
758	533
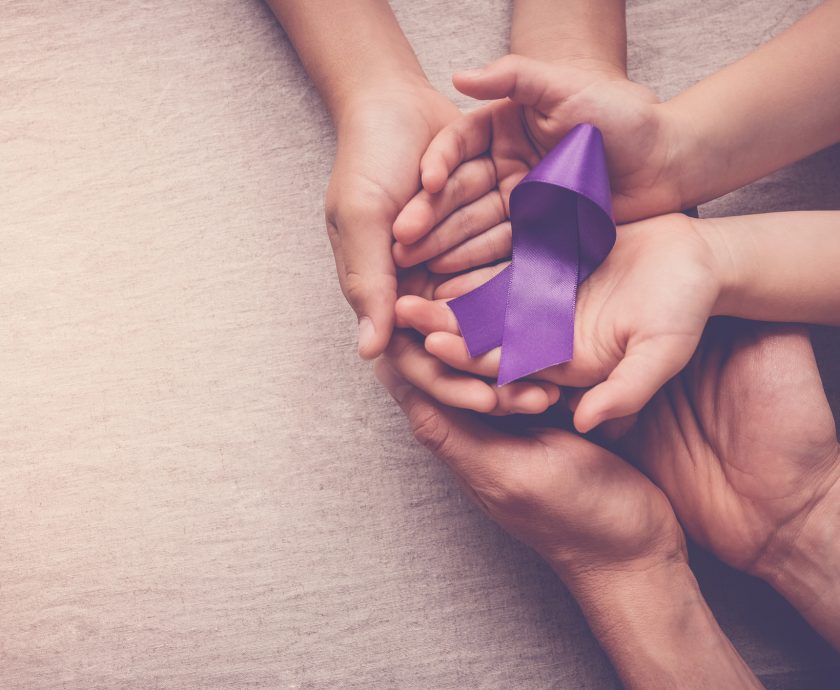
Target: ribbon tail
540	310
478	314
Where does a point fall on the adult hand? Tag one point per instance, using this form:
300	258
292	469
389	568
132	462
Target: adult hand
581	507
744	444
605	528
381	137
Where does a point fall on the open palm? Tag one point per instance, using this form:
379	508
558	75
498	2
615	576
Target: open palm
743	442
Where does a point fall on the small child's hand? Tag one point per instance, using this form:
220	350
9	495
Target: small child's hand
638	320
459	219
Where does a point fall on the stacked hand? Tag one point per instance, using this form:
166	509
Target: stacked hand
381	137
741	440
459	218
638	319
577	504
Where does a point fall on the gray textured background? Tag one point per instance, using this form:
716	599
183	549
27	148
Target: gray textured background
200	483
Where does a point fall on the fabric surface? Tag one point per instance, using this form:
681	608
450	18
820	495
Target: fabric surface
201	486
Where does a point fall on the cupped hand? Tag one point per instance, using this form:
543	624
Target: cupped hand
381	138
459	219
581	507
743	442
638	319
449	385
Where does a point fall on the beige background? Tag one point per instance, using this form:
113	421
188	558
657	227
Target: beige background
200	483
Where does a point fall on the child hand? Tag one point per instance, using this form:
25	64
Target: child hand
638	320
459	218
448	386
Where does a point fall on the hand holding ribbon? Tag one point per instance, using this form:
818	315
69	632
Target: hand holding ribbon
562	230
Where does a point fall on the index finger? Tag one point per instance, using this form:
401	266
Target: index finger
462	140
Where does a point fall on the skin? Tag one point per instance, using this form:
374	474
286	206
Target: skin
608	532
718	135
380	137
640	315
459	219
638	319
743	444
361	207
386	114
570	31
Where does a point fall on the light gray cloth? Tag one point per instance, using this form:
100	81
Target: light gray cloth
201	486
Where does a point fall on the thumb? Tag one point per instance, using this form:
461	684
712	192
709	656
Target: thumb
472	449
368	279
523	80
645	368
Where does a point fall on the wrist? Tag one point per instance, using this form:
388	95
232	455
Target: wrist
607	66
582	31
657	629
691	160
726	268
802	560
387	85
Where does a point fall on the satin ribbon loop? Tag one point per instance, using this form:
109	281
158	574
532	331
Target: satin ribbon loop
563	228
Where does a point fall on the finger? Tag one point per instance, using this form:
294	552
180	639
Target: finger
527	397
518	397
576	373
572	397
523	80
644	369
462	284
470	181
425	316
466	222
613	430
489	246
461	141
451	349
433	377
418	281
367	275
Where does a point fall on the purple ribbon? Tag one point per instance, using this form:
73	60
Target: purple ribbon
561	215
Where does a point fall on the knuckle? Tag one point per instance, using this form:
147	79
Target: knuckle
461	145
488	170
333	233
362	286
430	429
456	186
354	285
490	246
353	211
499	206
466	220
510	490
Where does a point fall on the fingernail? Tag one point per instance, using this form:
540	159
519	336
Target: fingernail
393	382
366	334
